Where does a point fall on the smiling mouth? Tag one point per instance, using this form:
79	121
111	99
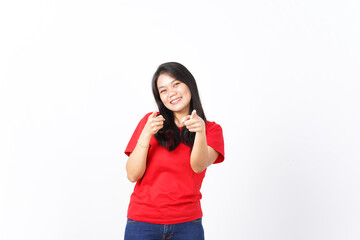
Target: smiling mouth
176	100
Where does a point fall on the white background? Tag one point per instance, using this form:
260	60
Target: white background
280	77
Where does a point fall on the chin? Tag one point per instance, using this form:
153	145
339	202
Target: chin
174	109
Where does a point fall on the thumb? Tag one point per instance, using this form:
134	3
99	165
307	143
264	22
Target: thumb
193	114
185	118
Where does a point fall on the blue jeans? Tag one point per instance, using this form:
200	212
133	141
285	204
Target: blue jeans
192	230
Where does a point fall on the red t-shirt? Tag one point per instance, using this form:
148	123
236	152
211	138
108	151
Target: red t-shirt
169	191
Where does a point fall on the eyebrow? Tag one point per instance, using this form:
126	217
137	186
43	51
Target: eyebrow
170	83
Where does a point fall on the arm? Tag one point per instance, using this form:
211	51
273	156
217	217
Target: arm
202	155
136	163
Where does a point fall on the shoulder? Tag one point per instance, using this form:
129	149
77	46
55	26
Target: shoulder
215	139
147	115
212	126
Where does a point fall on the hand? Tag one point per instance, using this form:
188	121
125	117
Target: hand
193	122
154	124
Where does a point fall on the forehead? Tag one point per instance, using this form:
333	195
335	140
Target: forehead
165	79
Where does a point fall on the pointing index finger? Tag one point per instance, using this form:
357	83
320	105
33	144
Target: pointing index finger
153	114
193	114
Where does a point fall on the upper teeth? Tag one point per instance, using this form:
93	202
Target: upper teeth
176	100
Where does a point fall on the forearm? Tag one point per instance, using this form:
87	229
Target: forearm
199	155
136	164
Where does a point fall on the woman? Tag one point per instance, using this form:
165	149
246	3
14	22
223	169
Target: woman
169	152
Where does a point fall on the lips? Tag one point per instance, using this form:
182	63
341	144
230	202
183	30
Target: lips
176	100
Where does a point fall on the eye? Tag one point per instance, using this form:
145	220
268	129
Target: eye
162	91
176	84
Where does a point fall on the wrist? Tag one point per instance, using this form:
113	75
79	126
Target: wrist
203	130
144	138
142	145
200	134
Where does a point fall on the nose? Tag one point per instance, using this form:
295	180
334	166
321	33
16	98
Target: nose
172	92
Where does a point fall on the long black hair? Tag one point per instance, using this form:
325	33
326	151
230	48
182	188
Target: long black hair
170	136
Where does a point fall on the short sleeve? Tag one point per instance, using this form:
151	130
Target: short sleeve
134	138
215	139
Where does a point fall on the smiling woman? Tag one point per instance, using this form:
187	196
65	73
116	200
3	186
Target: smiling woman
184	86
169	152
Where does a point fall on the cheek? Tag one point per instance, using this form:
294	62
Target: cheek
187	92
163	99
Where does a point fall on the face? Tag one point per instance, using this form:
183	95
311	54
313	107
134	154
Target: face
174	94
